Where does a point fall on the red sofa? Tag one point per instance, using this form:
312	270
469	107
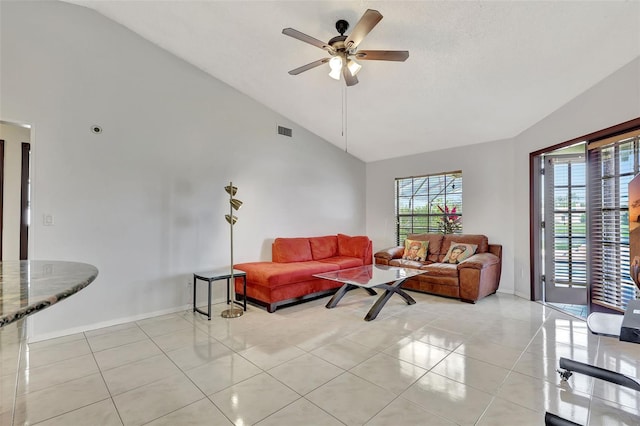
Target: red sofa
288	278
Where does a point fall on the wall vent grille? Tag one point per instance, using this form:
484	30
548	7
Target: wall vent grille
285	131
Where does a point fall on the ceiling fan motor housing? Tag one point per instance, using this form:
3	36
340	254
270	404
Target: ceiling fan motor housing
341	26
338	43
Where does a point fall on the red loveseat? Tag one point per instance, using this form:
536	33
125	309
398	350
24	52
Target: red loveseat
289	277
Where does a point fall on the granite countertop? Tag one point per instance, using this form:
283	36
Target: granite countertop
28	286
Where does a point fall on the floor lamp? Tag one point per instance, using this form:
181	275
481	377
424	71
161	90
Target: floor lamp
234	203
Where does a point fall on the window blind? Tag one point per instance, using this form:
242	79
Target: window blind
611	166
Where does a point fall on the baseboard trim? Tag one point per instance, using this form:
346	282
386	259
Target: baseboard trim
103	324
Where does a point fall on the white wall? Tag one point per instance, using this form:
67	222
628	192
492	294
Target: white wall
144	200
13	136
486	190
496	174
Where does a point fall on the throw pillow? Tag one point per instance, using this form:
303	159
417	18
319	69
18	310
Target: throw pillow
459	252
415	250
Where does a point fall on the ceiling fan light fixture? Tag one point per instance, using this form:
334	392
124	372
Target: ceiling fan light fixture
354	67
336	67
344	48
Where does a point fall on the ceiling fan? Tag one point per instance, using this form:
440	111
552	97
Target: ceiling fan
343	49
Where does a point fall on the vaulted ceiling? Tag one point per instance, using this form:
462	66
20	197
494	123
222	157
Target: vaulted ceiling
477	71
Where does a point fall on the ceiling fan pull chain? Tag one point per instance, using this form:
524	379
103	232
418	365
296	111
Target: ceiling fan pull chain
342	111
346	121
344	118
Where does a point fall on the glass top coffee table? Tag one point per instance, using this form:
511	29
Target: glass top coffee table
368	277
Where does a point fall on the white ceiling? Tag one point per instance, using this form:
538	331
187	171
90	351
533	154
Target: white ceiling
477	72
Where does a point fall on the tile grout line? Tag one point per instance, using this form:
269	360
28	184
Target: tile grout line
83	406
93	354
138	387
21	349
184	373
511	370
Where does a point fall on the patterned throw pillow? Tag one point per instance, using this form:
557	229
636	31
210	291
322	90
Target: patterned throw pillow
415	250
459	252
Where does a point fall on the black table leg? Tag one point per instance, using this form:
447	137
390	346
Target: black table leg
389	291
195	308
339	294
212	276
244	292
194	293
410	300
209	306
343	290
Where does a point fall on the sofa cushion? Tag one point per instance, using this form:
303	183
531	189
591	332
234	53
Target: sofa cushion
343	262
415	250
458	252
441	270
323	247
355	246
286	250
402	263
271	274
434	247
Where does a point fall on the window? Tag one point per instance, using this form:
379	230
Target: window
419	200
612	164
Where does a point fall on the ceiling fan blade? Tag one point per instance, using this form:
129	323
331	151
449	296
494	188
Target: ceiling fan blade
351	80
309	66
369	20
306	38
382	55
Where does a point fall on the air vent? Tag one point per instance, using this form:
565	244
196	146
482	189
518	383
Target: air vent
284	131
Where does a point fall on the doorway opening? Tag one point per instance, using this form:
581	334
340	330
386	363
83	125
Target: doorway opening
563	228
15	190
579	221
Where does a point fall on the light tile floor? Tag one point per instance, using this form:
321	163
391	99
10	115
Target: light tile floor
438	362
578	310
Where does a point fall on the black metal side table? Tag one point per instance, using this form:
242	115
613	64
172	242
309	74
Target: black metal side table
214	275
